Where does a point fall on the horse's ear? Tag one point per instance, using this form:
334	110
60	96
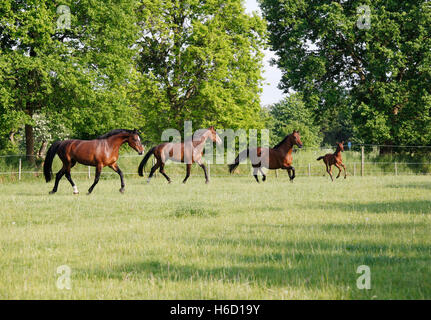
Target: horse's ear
342	142
294	131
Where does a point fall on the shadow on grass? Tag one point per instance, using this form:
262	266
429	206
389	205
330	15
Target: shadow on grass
403	206
411	185
399	271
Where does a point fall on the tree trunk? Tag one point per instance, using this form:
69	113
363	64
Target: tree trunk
42	150
12	137
29	142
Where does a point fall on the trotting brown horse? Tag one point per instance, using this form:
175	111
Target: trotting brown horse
188	152
335	159
279	157
101	152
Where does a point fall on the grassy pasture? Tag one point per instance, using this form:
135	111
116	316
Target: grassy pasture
231	239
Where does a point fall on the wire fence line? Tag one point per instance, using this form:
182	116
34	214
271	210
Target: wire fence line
218	170
357	161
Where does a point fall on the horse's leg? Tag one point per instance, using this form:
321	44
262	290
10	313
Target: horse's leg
339	170
255	170
117	169
204	168
153	169
291	172
188	169
58	177
96	179
69	177
344	167
329	170
263	174
162	171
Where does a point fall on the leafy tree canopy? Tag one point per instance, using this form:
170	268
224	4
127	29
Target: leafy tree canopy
291	114
81	70
201	61
381	73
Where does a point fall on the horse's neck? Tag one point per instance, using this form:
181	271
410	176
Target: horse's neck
286	147
337	151
117	141
201	142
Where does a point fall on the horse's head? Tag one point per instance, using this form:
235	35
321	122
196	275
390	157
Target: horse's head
340	145
214	136
297	139
134	141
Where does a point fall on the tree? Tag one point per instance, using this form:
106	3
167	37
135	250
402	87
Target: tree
71	62
291	114
372	60
201	61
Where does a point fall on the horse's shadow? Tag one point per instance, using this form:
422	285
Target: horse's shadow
401	206
307	265
412	185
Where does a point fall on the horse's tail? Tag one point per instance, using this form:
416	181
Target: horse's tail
242	156
47	166
144	161
320	158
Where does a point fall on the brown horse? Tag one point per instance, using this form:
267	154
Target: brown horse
101	152
335	158
279	157
188	152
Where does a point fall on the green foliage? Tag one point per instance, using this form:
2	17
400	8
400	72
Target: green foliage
78	76
291	114
381	75
201	61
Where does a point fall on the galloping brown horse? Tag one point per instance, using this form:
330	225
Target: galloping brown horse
188	152
335	158
101	152
279	157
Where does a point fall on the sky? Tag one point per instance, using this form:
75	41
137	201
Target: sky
272	74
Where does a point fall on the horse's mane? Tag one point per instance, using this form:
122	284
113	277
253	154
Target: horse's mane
115	132
282	141
196	135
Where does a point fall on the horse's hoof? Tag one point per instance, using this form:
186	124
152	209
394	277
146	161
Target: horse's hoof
122	190
206	182
76	193
52	192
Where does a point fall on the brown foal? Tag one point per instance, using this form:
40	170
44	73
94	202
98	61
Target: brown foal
335	159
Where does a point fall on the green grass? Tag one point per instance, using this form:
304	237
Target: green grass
231	239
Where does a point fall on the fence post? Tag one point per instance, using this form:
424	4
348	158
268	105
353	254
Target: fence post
89	172
362	161
354	168
396	169
20	169
209	171
309	169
